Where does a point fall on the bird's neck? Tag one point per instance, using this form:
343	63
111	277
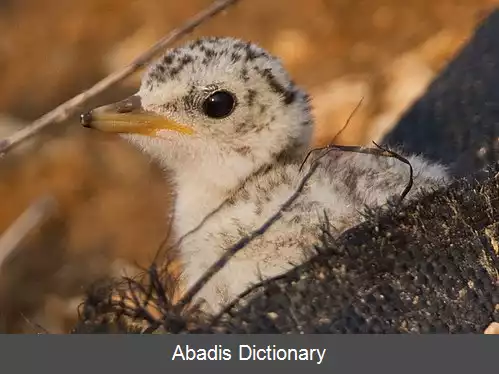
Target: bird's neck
204	182
204	174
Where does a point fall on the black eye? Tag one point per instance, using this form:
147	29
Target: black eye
219	104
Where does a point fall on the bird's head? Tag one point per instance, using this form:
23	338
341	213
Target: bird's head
217	100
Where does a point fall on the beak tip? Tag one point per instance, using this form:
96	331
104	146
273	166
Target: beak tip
86	119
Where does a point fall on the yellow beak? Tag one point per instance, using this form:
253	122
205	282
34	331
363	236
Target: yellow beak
128	116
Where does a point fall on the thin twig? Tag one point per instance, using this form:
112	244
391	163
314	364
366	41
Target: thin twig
35	325
140	307
24	224
242	243
379	151
347	122
71	106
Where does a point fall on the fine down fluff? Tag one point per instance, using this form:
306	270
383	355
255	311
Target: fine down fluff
226	119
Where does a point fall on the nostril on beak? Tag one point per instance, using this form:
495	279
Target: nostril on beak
86	119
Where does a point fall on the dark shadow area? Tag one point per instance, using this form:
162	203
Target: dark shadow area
457	120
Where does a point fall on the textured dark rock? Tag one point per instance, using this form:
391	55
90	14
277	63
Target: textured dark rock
456	120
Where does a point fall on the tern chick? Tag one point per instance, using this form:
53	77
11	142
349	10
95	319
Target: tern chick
226	119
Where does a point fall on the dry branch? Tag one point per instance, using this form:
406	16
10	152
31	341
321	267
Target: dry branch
29	219
70	107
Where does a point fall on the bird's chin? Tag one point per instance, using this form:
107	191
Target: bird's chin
133	138
136	140
152	146
140	139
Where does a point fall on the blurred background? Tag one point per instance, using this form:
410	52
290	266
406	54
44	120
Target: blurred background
112	203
